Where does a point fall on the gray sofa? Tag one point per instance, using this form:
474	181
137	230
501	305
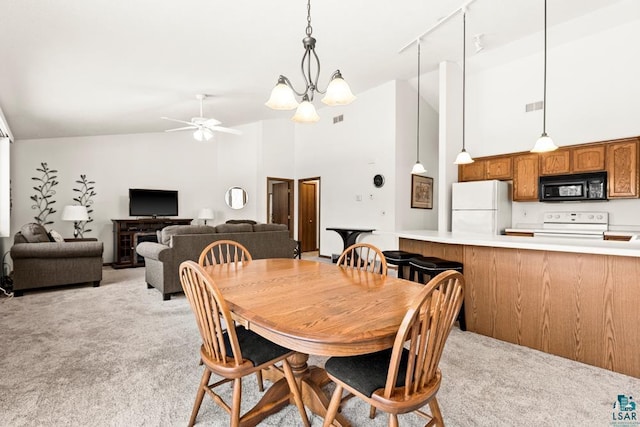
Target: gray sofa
178	243
40	263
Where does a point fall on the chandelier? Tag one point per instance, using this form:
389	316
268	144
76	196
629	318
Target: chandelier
283	95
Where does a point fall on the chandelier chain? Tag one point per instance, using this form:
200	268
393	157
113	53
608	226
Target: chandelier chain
309	29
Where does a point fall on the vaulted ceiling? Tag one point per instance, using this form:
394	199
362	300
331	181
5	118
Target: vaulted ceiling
101	67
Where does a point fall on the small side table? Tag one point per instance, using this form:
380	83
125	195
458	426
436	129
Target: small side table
350	235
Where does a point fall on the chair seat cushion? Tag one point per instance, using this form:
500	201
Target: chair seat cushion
433	263
255	348
368	372
398	256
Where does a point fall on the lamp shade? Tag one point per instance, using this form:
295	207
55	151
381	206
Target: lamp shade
544	144
418	168
463	158
282	97
75	213
338	92
205	213
306	113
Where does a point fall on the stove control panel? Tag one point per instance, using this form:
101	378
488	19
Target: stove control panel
600	218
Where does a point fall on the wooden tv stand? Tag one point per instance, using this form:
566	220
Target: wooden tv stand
127	233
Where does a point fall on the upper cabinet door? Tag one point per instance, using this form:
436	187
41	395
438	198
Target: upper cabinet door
622	169
555	162
499	168
588	159
525	177
472	172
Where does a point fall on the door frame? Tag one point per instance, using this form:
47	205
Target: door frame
290	186
301	182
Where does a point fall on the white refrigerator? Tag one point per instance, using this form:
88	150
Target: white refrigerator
481	207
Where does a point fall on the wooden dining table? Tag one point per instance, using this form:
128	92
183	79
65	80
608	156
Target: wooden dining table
314	308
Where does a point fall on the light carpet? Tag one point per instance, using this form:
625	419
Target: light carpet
118	355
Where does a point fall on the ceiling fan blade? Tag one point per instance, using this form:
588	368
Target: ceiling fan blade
177	121
226	130
183	128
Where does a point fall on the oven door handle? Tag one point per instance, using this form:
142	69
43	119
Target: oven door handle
598	236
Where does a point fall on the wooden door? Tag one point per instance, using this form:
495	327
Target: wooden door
472	171
280	212
525	177
588	159
555	163
307	224
499	168
622	168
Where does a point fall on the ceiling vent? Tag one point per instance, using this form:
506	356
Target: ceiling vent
533	106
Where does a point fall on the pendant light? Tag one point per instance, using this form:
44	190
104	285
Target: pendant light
463	157
418	168
283	94
544	143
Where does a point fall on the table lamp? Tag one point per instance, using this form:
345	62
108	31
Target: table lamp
75	213
205	214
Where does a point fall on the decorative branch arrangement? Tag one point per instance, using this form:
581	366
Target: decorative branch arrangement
44	194
87	192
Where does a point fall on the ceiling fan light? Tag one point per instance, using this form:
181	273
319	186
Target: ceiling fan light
338	92
306	113
463	158
418	169
544	144
282	97
203	134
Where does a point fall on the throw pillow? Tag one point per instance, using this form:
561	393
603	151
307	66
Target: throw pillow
56	236
234	228
34	233
270	227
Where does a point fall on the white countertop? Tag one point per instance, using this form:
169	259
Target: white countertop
586	246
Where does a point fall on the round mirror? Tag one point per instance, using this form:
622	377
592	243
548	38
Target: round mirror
236	198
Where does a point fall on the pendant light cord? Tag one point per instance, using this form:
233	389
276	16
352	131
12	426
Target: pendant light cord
464	71
544	101
418	117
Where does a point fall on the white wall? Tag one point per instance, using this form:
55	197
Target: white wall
406	116
5	187
200	171
592	95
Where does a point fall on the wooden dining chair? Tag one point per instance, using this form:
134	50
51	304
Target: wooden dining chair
224	252
406	377
232	353
363	256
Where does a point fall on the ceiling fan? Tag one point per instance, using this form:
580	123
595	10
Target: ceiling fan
203	126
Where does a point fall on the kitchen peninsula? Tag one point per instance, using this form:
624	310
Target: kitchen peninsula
573	298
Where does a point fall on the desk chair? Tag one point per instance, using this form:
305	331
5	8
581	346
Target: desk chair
363	256
406	377
232	353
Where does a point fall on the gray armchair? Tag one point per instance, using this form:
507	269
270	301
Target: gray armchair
39	264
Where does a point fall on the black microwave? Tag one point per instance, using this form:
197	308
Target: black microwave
576	187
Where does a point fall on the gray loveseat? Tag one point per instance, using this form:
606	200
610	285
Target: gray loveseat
40	263
178	243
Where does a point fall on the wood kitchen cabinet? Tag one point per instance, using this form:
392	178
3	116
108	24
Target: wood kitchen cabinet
525	177
499	168
589	158
472	171
555	162
622	168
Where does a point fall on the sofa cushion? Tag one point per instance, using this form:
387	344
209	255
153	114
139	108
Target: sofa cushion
34	233
241	221
57	237
269	227
173	230
234	228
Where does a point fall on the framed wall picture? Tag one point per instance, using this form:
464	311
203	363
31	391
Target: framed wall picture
421	192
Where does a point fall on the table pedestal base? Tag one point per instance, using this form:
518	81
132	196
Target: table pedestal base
311	380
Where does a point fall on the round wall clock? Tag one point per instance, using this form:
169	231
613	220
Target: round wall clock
378	181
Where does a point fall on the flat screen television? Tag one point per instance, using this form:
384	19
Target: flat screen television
154	203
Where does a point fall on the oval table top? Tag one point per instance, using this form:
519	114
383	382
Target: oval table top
315	307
